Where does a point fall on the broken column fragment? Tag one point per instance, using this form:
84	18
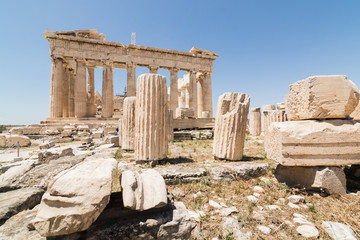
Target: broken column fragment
128	124
151	118
255	121
230	126
143	191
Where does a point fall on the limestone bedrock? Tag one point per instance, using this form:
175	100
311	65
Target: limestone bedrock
314	142
230	125
75	198
319	97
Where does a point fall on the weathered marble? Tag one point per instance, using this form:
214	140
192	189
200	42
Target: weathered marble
75	198
314	142
255	121
230	126
128	124
151	118
320	97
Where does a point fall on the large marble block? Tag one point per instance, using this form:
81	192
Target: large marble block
314	142
75	198
230	126
320	97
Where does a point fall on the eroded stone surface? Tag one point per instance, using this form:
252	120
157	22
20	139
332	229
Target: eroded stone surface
328	179
128	124
314	143
319	97
338	231
230	126
177	174
151	118
143	191
15	201
75	198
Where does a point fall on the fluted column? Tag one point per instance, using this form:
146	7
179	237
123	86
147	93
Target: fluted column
80	89
91	109
200	96
173	90
131	80
153	69
255	121
66	92
193	92
151	118
128	124
56	88
107	92
72	77
207	94
230	126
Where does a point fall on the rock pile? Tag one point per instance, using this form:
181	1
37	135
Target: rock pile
319	133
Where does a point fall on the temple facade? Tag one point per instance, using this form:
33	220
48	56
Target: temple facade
76	54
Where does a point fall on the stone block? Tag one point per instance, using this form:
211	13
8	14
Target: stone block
75	198
12	202
66	133
47	145
16	131
112	140
143	191
98	133
184	113
230	126
2	140
320	97
54	153
314	142
328	179
83	128
49	131
31	130
12	140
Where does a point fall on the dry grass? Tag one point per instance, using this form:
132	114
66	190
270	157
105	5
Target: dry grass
344	209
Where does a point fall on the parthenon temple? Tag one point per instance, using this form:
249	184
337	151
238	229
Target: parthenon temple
75	55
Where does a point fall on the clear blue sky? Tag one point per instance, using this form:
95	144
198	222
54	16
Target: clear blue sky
263	46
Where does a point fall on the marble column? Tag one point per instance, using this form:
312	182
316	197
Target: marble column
255	121
91	109
72	77
107	92
173	90
153	69
57	75
200	97
131	80
66	92
193	92
151	118
80	89
207	94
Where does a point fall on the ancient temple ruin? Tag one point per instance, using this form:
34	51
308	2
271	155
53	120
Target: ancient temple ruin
75	55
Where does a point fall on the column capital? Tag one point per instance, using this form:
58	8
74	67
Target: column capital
153	67
80	60
174	70
130	65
